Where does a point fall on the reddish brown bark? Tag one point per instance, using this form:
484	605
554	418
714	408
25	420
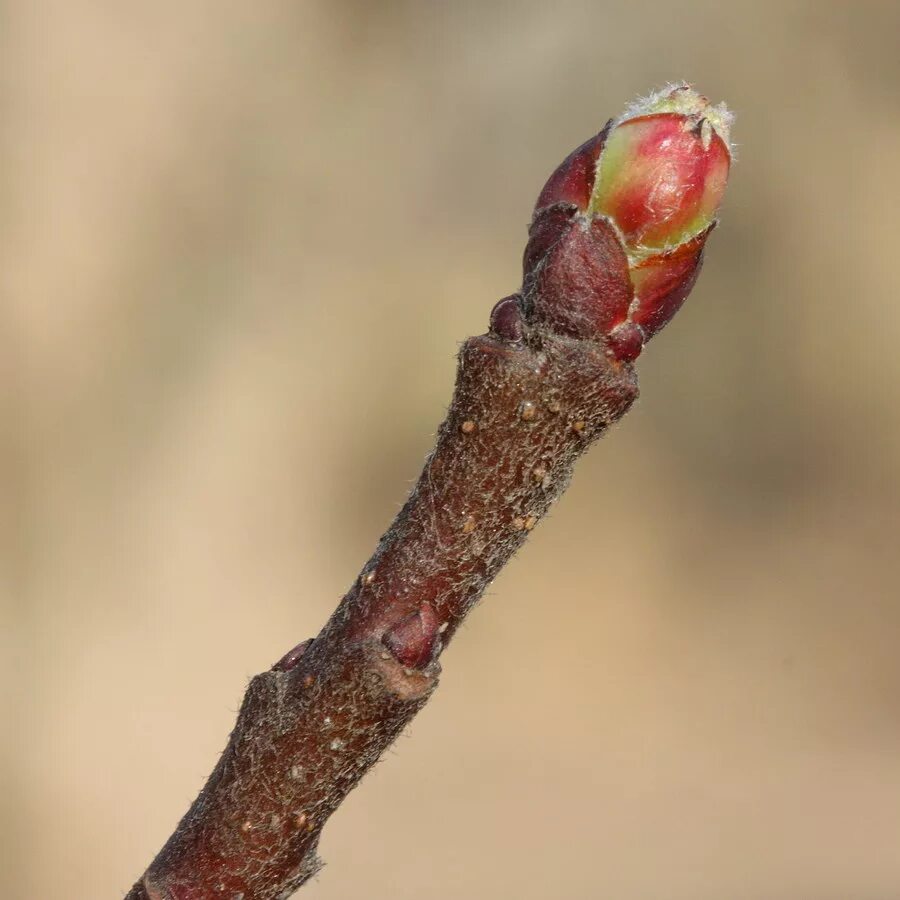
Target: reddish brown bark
313	725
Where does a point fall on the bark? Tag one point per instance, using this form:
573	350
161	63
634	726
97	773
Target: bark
522	413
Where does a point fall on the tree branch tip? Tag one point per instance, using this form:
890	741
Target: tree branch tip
614	247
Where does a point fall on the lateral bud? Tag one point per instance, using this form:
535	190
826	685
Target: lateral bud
292	657
415	641
506	319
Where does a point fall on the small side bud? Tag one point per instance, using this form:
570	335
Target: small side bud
626	341
617	237
415	641
292	657
506	319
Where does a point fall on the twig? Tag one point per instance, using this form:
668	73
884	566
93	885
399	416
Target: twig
531	396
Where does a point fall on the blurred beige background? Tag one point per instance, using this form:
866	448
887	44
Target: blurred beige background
240	243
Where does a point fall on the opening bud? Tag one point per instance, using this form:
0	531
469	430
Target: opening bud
653	179
663	169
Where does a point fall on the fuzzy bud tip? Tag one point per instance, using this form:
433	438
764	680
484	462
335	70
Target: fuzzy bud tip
663	169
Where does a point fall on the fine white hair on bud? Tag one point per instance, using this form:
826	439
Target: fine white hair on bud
680	98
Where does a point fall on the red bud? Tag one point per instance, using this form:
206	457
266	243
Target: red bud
506	319
617	238
415	640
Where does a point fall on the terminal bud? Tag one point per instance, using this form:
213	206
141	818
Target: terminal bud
616	241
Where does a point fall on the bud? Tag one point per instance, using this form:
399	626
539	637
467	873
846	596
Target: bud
617	237
416	640
292	657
